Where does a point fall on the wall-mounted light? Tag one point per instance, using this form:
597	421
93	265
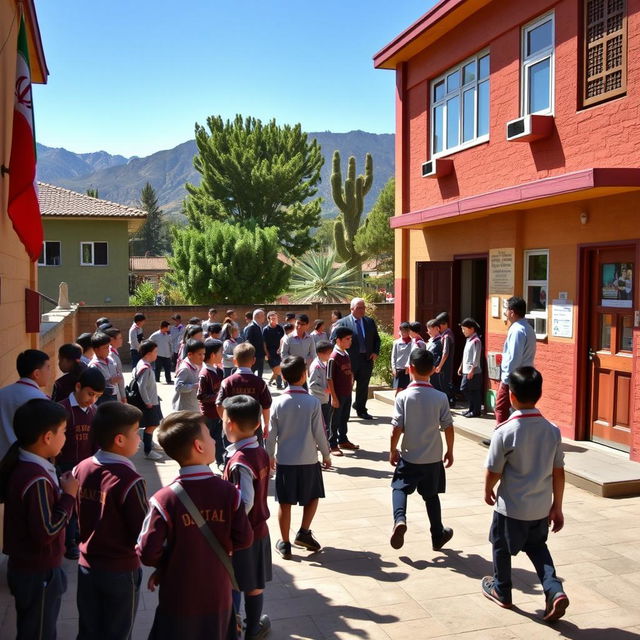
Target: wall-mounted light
584	217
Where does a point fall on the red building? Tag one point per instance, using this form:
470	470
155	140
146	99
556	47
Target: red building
518	173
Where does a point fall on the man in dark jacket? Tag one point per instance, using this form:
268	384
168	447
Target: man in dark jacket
253	335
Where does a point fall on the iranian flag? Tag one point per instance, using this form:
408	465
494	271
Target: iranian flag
24	209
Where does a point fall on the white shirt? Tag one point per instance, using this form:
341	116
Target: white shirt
27	456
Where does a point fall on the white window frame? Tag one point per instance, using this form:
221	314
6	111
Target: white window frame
93	254
536	283
44	253
539	56
460	92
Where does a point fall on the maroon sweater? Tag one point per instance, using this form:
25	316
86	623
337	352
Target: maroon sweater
208	389
112	504
66	383
78	445
246	384
36	514
193	582
339	370
254	458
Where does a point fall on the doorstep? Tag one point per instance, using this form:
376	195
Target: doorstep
598	469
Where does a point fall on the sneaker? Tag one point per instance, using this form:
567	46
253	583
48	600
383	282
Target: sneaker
447	534
307	541
335	451
349	446
72	552
489	591
556	606
284	549
263	631
153	455
397	537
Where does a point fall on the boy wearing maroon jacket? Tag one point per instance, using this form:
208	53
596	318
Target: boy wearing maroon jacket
195	588
211	376
38	507
112	504
248	469
71	366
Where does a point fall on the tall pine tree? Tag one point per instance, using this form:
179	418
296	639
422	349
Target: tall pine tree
152	237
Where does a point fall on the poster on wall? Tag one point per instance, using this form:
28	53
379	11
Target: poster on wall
562	319
501	271
616	285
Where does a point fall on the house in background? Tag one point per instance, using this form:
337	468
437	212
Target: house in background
517	173
147	268
86	245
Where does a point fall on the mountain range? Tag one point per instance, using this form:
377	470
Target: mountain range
121	179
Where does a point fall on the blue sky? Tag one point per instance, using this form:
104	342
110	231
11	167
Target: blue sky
132	77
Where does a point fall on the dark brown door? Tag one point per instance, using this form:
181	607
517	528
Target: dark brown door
434	291
610	345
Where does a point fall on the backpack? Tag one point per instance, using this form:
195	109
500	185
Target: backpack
132	391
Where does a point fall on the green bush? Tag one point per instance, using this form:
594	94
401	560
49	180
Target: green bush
143	295
382	366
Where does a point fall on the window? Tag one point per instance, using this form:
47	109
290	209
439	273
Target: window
605	50
50	254
460	106
94	254
537	66
536	287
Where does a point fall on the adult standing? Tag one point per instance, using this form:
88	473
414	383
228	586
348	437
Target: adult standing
365	348
253	335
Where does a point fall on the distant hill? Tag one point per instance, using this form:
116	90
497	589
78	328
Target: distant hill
121	179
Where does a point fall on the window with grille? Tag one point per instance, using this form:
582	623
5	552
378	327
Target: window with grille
605	50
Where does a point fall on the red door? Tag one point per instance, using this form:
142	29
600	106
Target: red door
435	290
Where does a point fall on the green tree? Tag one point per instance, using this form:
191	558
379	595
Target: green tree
92	193
143	295
228	264
314	278
374	239
324	235
257	175
152	237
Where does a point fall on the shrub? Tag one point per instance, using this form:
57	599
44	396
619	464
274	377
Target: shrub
143	295
382	366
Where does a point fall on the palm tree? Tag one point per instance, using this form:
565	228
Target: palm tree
314	278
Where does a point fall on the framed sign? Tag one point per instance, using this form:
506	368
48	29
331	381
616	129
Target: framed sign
501	271
616	284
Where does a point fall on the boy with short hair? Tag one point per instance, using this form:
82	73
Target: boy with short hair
71	365
526	457
299	343
163	339
211	319
415	331
296	433
445	367
136	336
116	342
420	413
400	352
170	541
84	340
248	469
37	510
318	385
340	381
272	335
151	413
227	350
435	346
209	381
103	362
112	504
214	331
176	332
470	369
185	397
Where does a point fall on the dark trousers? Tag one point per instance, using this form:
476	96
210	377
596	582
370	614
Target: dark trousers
258	367
472	390
107	603
510	536
446	378
215	429
434	511
163	363
228	371
38	596
174	361
503	404
327	411
340	422
71	532
135	357
362	368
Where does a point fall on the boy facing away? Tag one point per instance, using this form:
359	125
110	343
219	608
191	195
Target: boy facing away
248	469
195	587
71	366
526	457
186	381
112	504
297	433
420	412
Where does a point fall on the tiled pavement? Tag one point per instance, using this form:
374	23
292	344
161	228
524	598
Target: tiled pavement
359	587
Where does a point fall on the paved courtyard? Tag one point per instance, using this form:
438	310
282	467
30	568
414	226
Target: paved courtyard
359	587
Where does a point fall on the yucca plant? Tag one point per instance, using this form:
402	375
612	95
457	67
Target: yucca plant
314	278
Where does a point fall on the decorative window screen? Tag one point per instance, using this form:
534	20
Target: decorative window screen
605	50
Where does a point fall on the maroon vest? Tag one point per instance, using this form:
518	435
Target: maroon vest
78	444
341	374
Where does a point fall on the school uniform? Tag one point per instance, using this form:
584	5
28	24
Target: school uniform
85	359
66	383
165	351
319	337
435	347
272	337
151	416
227	356
194	601
339	370
400	352
304	347
107	367
36	514
319	388
209	381
472	389
446	373
420	412
248	469
136	336
186	387
296	430
175	332
111	506
115	356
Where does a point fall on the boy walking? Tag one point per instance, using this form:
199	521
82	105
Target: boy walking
163	339
186	382
526	457
136	336
419	414
152	412
112	505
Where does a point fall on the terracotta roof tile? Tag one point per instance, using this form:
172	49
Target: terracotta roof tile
142	263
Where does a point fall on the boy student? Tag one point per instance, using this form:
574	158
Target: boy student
340	381
248	469
38	507
136	336
112	504
176	332
104	363
471	368
209	381
272	335
116	343
420	412
195	584
186	381
435	346
415	331
152	413
526	457
84	340
400	351
163	339
214	331
71	366
445	368
34	370
299	343
318	385
211	319
227	350
296	433
81	411
192	332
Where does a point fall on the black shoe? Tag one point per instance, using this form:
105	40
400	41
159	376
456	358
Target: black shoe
284	549
365	415
307	541
263	631
489	591
72	552
397	537
556	606
438	543
468	414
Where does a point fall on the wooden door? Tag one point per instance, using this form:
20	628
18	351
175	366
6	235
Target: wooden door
434	292
610	345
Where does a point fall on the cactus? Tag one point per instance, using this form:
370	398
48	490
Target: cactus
350	200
